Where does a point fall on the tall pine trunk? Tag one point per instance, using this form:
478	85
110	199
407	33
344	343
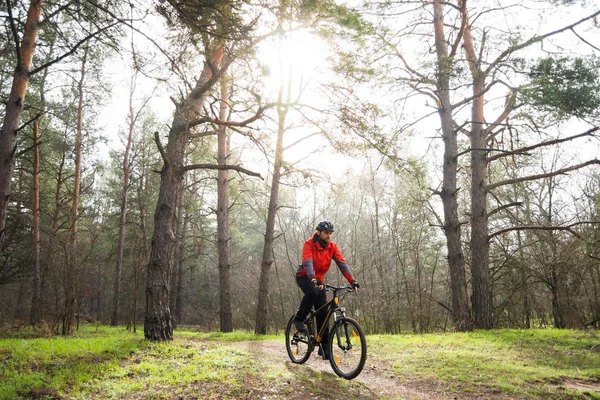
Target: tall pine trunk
36	283
36	294
223	219
181	269
480	245
114	321
157	318
71	264
14	107
456	260
50	264
179	259
262	308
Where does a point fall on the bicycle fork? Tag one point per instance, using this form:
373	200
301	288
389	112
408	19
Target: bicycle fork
337	322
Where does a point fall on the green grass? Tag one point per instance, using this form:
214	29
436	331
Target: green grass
111	363
532	363
104	362
52	364
238	336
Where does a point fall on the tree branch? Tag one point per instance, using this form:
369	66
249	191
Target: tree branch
161	148
583	40
301	140
33	146
439	302
535	39
216	121
505	206
508	108
539	176
70	52
469	99
36	116
401	57
252	138
542	144
534	228
463	26
221	167
445	3
57	11
15	34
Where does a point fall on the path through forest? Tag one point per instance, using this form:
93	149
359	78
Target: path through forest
316	380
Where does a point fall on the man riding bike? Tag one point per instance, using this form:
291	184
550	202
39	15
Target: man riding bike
317	253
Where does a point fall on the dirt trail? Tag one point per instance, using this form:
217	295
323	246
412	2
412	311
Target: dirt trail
377	381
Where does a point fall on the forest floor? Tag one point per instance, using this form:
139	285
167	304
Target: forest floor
111	363
316	380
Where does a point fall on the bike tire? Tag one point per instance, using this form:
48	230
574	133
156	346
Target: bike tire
347	348
298	344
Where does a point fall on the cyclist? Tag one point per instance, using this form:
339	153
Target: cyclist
317	253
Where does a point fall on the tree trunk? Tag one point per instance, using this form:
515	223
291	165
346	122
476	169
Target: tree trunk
114	321
49	260
456	261
179	259
267	257
178	227
142	253
524	282
557	309
181	269
223	219
36	295
71	265
14	107
36	284
157	318
480	270
280	289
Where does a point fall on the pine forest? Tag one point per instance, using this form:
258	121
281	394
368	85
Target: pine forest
162	162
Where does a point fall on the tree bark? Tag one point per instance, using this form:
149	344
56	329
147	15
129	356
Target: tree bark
181	269
49	260
36	284
223	218
71	264
178	226
267	256
142	240
480	269
157	319
14	107
36	295
114	321
557	309
456	261
179	259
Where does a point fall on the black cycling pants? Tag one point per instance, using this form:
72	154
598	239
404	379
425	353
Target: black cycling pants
316	298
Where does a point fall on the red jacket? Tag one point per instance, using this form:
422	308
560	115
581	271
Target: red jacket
316	260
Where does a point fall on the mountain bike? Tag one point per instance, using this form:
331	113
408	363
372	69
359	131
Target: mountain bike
347	343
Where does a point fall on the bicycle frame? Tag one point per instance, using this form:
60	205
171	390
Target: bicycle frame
347	346
332	306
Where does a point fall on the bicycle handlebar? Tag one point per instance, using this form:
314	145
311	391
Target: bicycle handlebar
338	288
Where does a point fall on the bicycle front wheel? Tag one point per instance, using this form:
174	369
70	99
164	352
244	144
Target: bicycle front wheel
297	344
347	348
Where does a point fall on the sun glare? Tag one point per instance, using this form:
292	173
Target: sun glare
293	59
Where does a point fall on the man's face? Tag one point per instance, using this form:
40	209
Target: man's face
325	236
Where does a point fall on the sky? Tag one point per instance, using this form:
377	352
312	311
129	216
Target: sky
302	53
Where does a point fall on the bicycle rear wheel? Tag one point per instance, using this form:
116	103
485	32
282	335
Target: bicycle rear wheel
297	344
347	348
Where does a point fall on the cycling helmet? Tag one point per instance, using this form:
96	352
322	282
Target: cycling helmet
324	226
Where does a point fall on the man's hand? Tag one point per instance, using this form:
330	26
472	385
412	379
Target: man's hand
317	284
355	286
